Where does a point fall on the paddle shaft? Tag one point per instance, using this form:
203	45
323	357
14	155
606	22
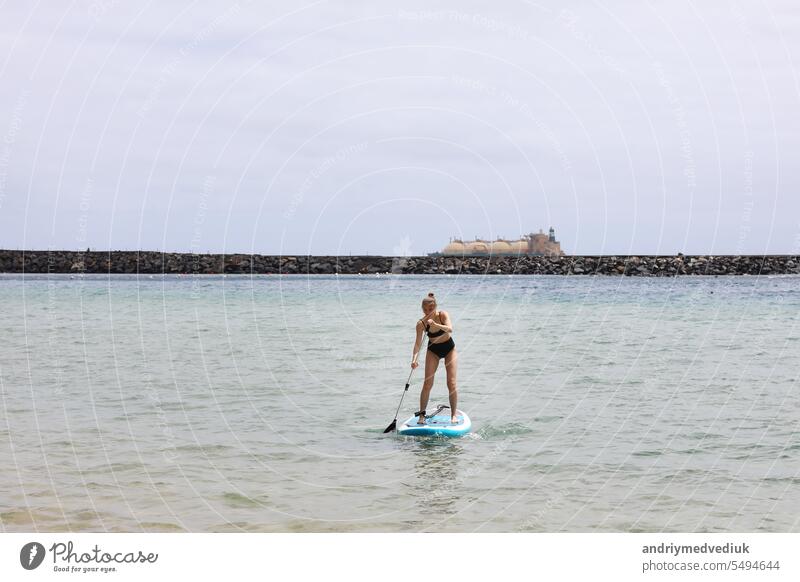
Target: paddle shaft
408	383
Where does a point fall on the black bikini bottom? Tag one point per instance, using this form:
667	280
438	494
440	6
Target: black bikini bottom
443	348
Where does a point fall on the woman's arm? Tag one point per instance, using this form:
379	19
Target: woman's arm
417	343
446	325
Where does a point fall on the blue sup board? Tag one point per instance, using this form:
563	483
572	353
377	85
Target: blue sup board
438	424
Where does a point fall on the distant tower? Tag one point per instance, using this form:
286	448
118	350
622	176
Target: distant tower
552	235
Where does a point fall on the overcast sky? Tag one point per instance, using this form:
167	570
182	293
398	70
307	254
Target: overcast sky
362	127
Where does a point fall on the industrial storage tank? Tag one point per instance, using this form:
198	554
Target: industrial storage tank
477	247
501	247
455	247
519	247
528	244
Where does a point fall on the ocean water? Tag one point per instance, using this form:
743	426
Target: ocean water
258	404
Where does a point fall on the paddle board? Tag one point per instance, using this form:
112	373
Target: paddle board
437	425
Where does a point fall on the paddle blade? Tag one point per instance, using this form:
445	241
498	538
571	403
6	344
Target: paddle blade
391	427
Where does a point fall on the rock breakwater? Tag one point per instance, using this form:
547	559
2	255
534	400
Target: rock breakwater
153	262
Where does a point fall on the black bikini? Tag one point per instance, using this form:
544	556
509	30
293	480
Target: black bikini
443	348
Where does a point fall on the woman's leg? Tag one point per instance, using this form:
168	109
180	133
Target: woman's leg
431	364
451	365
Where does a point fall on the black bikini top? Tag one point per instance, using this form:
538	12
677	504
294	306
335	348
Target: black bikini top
434	334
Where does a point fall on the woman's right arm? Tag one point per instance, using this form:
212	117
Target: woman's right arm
417	344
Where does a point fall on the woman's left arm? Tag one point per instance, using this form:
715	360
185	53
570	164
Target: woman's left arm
446	324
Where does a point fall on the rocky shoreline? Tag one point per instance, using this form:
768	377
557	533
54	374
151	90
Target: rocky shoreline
152	262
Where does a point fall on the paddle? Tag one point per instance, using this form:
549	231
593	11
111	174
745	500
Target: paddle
393	426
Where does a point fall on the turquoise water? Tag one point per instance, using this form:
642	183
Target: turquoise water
258	404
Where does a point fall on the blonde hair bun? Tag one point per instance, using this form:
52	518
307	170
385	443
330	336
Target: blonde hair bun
430	298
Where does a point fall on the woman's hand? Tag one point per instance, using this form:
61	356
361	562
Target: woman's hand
414	365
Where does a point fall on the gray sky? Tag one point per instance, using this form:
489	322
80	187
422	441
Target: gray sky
361	127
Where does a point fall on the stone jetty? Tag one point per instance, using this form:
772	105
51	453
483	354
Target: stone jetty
154	262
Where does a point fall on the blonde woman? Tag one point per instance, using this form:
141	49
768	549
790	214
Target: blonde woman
439	328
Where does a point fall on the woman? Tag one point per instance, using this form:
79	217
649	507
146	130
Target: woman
440	345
